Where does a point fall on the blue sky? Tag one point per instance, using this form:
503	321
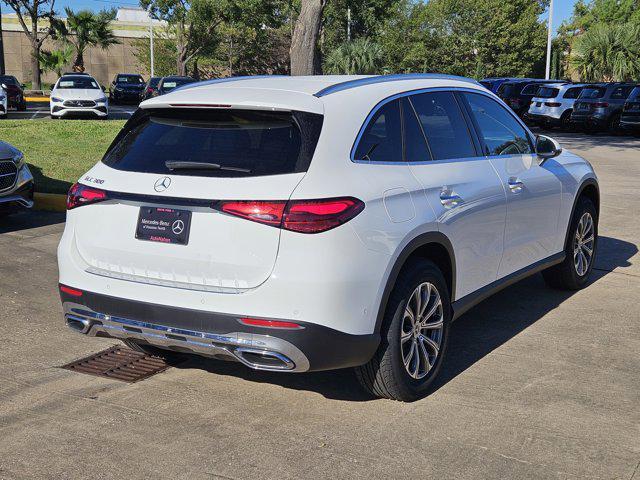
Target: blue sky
562	8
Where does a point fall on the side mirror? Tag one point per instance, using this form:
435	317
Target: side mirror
23	86
4	85
547	147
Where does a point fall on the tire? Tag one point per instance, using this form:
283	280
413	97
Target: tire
565	121
385	375
568	275
613	126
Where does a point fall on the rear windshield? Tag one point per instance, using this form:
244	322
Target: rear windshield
547	92
216	143
509	89
171	83
134	79
592	92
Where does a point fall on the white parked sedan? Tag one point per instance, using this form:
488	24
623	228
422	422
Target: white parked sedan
78	94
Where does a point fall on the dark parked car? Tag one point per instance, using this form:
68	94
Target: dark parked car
15	92
169	83
16	181
493	83
126	87
519	93
599	106
150	88
630	118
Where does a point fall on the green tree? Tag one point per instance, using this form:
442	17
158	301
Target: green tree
195	24
164	55
360	56
56	60
467	37
29	13
607	53
587	14
85	29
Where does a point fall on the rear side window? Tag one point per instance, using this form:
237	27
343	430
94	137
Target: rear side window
443	124
382	138
415	145
592	92
502	134
216	143
530	89
572	92
547	92
621	92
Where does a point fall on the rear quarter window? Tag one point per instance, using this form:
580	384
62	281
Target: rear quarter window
216	143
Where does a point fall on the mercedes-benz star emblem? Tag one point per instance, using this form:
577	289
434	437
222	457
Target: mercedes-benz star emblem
162	184
177	227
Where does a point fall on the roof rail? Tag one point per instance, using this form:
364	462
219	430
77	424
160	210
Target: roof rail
338	87
221	80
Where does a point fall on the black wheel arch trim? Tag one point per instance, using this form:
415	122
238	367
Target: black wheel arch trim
420	241
586	183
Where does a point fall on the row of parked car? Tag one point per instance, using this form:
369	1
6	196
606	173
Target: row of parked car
590	107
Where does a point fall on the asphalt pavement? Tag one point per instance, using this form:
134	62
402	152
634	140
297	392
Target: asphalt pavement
40	111
539	383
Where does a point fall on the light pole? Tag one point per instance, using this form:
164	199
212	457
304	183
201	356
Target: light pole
151	40
549	34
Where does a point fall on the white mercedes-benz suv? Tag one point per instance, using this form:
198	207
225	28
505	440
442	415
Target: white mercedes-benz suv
313	223
78	94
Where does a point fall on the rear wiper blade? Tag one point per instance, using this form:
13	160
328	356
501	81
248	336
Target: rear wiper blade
186	165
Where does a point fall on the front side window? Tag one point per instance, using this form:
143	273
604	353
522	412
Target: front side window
382	137
443	124
502	134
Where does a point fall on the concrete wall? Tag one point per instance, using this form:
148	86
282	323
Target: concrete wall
102	64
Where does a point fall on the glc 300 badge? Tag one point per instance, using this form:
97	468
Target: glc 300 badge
162	184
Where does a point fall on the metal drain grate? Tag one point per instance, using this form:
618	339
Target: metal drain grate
120	364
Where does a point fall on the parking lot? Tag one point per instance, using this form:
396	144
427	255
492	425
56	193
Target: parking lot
40	111
540	383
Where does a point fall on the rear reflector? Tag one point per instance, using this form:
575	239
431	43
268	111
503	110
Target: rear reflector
70	291
303	216
259	322
80	195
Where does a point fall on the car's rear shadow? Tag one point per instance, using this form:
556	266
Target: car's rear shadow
473	336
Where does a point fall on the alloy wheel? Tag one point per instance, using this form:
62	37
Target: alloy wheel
583	244
422	329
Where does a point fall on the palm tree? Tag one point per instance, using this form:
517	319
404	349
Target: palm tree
360	56
56	60
85	29
607	53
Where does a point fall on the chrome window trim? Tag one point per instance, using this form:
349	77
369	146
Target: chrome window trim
410	93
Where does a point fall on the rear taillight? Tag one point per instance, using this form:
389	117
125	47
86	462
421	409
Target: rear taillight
80	195
303	216
600	105
149	90
552	104
70	291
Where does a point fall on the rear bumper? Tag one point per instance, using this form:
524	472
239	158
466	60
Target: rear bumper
217	335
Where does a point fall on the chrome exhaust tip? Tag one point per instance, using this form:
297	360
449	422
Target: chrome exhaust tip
78	324
263	359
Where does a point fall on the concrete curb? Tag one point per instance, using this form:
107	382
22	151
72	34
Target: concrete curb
55	202
37	99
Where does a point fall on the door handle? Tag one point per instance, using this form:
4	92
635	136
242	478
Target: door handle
515	185
449	199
